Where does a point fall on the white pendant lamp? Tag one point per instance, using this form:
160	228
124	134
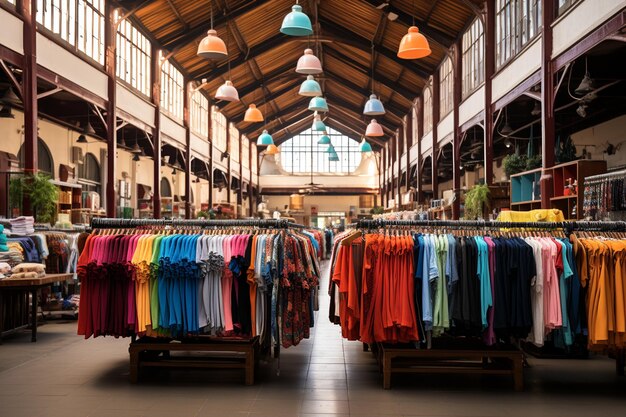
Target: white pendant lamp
227	92
309	63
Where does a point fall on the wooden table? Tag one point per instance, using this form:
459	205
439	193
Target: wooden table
32	286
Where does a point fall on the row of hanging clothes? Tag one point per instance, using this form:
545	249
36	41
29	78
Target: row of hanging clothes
605	196
411	281
176	279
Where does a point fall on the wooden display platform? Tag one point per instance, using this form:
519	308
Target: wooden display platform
441	361
224	353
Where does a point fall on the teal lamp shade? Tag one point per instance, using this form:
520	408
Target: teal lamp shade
310	88
331	149
324	140
318	104
296	23
374	107
318	125
333	158
366	147
265	139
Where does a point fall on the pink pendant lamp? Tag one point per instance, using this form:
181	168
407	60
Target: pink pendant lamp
374	129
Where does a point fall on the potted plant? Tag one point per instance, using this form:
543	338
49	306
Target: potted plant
42	193
377	210
514	164
475	201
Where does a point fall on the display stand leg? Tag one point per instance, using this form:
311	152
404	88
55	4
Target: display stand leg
33	313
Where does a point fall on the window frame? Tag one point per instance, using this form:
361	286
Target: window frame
427	102
473	58
127	47
518	23
446	87
199	113
218	129
172	90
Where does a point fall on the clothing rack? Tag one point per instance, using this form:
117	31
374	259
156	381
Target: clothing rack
489	224
109	223
602	177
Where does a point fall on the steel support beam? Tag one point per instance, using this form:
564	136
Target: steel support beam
187	125
456	139
436	116
156	137
547	102
490	66
110	58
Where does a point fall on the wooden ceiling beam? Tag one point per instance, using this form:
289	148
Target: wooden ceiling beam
353	131
178	15
180	39
267	99
349	110
353	39
270	118
436	35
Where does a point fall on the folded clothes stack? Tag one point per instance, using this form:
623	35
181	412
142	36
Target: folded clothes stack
12	257
3	240
23	225
28	271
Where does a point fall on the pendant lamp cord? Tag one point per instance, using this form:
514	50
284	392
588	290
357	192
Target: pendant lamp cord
414	11
373	63
228	43
211	15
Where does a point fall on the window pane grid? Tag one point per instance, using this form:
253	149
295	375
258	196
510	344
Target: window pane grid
218	129
301	153
428	109
473	58
234	142
172	90
517	23
245	151
199	113
446	87
133	57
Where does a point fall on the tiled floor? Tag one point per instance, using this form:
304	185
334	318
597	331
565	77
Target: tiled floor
64	375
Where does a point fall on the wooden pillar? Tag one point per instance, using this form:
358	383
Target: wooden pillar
210	139
456	139
28	11
384	168
110	32
251	199
229	176
436	109
547	102
490	67
408	134
187	125
240	190
156	139
398	190
420	134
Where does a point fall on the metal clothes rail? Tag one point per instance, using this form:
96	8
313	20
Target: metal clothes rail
594	179
614	226
108	223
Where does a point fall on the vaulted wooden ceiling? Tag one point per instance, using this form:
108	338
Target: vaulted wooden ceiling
352	38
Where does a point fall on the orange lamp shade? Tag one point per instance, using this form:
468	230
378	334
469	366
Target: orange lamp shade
272	150
212	47
253	114
413	45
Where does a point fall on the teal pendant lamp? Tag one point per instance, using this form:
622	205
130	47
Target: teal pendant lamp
318	104
374	107
334	158
265	139
310	88
296	23
318	125
324	140
330	149
366	147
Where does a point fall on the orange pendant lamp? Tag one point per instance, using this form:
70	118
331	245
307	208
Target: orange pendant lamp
413	45
253	115
212	46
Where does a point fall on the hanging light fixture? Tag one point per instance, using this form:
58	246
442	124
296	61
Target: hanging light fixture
582	110
333	158
586	85
265	139
536	111
227	92
9	97
324	140
136	158
366	147
508	143
413	45
82	139
272	150
309	63
253	115
330	149
318	125
506	129
373	106
212	47
310	87
318	104
5	113
374	129
296	23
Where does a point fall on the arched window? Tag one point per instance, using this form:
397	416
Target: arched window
89	173
45	163
302	154
166	189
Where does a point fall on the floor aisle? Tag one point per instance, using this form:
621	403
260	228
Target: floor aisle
64	375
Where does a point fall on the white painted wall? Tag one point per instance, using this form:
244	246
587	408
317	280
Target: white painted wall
583	17
427	143
612	131
413	153
516	71
134	105
173	129
11	33
200	146
323	203
66	64
472	105
445	126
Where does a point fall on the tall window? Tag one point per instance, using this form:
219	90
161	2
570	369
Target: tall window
446	88
218	122
473	57
133	57
245	151
517	22
78	22
89	173
199	113
416	121
172	90
255	157
428	109
234	142
302	154
563	5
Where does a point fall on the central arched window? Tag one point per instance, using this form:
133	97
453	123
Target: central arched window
302	154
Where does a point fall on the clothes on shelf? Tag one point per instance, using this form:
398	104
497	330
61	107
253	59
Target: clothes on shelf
408	287
23	225
176	283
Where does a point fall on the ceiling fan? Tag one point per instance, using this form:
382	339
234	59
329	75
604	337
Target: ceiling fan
312	187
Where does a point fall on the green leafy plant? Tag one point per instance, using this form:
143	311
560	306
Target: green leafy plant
377	210
202	215
533	162
514	164
42	193
475	201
